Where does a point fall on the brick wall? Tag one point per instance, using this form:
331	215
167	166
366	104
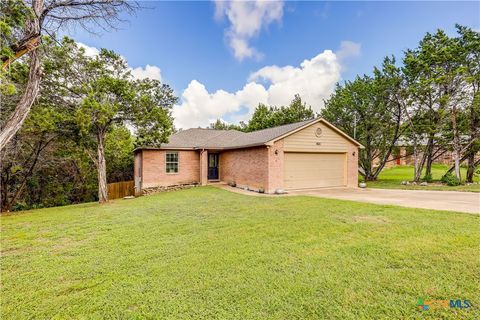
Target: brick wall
246	167
352	166
276	163
154	169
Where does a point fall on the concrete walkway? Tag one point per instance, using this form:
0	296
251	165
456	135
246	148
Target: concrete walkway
437	200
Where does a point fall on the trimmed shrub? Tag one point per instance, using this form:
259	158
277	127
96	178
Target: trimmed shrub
428	178
450	180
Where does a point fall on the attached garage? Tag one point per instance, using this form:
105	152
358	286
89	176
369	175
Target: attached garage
314	170
319	156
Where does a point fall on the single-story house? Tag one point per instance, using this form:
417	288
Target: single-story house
302	155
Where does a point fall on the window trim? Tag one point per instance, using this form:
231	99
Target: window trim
170	162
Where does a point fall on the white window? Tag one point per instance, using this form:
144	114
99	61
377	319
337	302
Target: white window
171	162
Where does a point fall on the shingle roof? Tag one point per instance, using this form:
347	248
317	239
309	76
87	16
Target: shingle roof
198	138
263	136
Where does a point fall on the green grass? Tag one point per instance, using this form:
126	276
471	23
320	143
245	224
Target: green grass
206	253
391	178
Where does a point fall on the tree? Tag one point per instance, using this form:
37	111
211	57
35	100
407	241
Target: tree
370	109
119	145
76	98
431	71
24	23
221	125
110	97
268	117
469	55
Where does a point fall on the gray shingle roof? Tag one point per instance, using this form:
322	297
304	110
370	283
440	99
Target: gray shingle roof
198	138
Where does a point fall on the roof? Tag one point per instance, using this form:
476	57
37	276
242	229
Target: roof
199	138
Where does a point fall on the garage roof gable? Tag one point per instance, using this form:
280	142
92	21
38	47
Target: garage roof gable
315	121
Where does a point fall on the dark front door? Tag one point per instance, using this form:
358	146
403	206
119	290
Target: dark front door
212	166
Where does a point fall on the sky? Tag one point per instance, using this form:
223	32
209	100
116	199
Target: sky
224	58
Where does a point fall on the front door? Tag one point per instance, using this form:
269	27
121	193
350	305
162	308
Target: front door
213	166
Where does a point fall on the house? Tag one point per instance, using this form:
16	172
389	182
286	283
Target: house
308	154
402	154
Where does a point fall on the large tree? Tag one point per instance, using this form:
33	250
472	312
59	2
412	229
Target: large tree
469	55
23	23
111	97
431	71
370	109
268	117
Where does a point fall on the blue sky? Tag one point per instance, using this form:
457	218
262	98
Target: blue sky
223	58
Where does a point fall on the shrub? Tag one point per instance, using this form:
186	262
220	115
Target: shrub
428	178
450	180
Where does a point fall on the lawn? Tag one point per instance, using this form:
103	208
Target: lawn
206	253
391	178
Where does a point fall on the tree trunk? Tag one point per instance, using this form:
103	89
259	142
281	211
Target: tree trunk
416	163
420	165
42	144
456	143
395	137
474	125
428	167
470	167
101	168
22	109
427	159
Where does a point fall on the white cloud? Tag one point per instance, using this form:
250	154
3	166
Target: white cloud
348	49
149	71
89	51
152	72
247	18
314	79
200	107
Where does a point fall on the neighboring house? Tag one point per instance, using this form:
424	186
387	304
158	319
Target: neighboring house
308	154
403	153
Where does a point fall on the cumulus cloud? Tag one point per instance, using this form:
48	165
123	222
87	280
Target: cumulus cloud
247	18
200	107
149	71
314	79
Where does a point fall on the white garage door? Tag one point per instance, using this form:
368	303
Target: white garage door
314	170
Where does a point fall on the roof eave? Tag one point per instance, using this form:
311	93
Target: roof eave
163	148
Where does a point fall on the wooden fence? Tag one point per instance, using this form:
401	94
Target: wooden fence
120	189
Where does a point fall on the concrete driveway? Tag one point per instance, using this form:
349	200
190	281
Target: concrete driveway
437	200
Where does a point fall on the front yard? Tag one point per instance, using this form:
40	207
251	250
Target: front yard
391	178
205	253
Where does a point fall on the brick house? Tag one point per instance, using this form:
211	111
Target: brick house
308	154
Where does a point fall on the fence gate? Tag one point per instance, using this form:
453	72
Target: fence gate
120	189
